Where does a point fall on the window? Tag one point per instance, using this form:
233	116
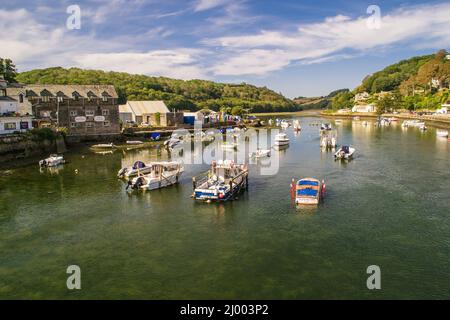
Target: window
10	126
105	112
73	124
89	124
73	113
105	98
106	124
21	98
2	93
45	99
90	113
60	99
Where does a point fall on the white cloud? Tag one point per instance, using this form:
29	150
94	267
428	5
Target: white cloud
203	5
33	45
427	26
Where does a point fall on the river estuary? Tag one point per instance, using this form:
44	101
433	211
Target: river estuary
389	207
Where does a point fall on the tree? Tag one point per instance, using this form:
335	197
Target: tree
343	100
237	111
8	70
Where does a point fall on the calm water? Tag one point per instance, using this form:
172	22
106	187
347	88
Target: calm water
388	207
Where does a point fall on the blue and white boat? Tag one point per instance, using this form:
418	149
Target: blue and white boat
223	182
138	168
308	192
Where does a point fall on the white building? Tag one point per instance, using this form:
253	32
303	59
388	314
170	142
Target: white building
364	108
141	111
9	125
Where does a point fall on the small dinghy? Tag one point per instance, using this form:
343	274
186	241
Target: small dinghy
162	174
104	146
297	126
135	142
52	161
138	168
345	152
442	133
260	153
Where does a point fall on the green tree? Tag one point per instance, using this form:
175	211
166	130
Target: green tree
343	100
8	70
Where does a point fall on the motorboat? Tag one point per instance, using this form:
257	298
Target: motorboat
162	174
297	126
52	161
222	182
442	133
308	191
281	139
345	152
260	153
412	123
138	168
325	127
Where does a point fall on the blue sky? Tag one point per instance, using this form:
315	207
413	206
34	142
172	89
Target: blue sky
305	48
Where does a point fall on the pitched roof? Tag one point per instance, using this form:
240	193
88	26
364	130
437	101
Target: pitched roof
67	90
143	107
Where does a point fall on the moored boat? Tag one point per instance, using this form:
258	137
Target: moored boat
260	153
104	146
442	133
134	142
223	182
138	168
52	161
297	126
162	174
345	152
281	139
308	191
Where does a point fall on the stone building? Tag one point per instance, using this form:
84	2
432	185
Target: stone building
85	110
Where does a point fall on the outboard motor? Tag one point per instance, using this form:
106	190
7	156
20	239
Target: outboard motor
122	172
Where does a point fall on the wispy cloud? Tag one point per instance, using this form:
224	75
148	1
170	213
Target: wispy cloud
427	26
203	5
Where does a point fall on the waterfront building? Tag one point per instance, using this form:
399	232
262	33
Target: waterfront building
85	110
364	108
153	113
362	96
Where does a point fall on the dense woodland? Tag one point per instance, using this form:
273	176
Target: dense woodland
178	94
409	83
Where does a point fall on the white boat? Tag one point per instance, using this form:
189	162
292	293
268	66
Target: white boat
224	180
325	127
412	123
308	191
162	174
104	146
138	168
297	126
442	133
423	127
285	124
52	161
344	152
281	139
134	142
260	153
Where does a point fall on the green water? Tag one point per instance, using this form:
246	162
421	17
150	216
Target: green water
388	207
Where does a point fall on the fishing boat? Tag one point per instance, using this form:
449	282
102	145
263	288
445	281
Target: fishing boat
104	146
260	153
138	168
442	133
308	191
281	139
162	174
345	152
223	182
52	161
297	126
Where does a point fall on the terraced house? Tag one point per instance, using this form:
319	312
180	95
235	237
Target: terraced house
85	110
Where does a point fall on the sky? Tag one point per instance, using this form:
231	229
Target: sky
297	48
